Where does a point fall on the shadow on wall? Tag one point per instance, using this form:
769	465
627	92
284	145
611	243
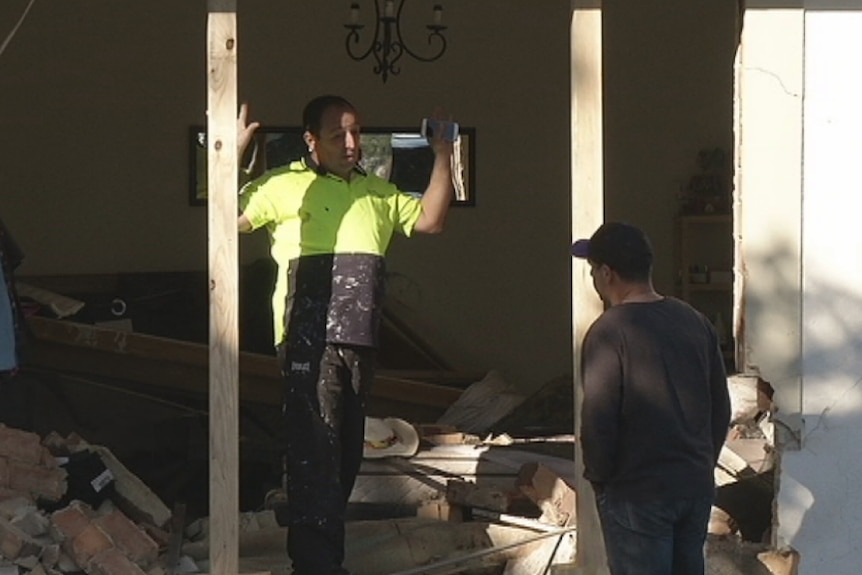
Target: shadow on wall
818	383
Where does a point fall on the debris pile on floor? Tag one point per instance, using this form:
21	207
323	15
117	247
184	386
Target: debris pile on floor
489	491
47	522
744	476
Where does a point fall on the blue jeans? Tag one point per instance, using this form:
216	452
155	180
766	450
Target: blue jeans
654	537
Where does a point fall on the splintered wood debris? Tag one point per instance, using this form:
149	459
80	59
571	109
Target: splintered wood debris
483	504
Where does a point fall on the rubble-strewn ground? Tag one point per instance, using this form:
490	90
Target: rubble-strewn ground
729	556
163	441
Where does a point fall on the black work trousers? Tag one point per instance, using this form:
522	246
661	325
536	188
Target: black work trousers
326	386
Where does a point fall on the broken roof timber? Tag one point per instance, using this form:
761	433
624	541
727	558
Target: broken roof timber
183	366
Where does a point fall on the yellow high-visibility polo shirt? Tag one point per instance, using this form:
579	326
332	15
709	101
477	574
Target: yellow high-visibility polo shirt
309	213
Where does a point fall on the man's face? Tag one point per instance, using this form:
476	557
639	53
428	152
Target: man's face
336	148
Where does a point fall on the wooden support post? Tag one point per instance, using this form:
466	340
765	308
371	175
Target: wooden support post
587	215
222	177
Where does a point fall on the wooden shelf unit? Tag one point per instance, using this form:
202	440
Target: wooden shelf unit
704	262
706	242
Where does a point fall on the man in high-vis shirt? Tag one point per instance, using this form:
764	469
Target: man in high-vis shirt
330	225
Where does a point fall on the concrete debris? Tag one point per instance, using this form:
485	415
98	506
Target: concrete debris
749	397
744	476
407	545
730	556
482	405
469	494
556	499
443	434
721	523
46	530
132	495
439	509
780	561
504	505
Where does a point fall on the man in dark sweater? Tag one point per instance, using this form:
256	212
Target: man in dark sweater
655	411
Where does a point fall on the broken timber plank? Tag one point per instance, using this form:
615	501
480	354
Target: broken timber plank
412	545
469	494
183	366
178	523
780	562
516	520
549	492
508	546
424	476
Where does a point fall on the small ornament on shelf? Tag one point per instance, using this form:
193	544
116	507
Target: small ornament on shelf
706	192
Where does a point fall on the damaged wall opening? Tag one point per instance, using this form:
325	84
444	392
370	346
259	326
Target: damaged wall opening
745	481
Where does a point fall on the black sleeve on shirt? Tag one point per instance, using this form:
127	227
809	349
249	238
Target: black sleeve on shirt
720	399
601	370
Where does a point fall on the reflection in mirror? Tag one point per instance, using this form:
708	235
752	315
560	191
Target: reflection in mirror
402	156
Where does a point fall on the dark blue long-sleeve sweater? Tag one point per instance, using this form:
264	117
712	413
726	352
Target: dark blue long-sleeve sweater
656	407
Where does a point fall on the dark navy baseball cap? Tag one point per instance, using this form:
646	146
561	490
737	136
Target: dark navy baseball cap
622	247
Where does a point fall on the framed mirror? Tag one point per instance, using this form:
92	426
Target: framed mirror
400	155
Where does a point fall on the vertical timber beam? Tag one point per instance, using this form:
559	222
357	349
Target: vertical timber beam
587	214
222	177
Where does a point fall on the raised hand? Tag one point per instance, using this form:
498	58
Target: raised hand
244	130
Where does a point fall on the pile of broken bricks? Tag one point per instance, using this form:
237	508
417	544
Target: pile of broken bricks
121	529
44	530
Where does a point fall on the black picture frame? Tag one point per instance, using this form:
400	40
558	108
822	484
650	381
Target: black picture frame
400	155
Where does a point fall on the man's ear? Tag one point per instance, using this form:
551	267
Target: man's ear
308	137
609	273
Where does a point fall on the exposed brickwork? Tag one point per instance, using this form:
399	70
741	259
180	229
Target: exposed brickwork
4	472
21	445
87	544
113	562
50	555
70	521
14	543
7	493
30	519
47	483
128	537
77	537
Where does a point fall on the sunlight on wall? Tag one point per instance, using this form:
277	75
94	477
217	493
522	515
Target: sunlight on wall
795	501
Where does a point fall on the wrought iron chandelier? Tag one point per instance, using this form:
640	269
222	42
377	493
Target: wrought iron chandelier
387	45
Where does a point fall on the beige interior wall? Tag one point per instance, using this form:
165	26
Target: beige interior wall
668	93
98	98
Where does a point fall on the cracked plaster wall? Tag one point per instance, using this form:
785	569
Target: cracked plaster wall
798	131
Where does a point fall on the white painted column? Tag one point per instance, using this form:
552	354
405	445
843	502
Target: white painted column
768	225
799	144
818	507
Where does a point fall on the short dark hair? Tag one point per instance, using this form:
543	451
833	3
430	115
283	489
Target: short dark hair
624	248
312	114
